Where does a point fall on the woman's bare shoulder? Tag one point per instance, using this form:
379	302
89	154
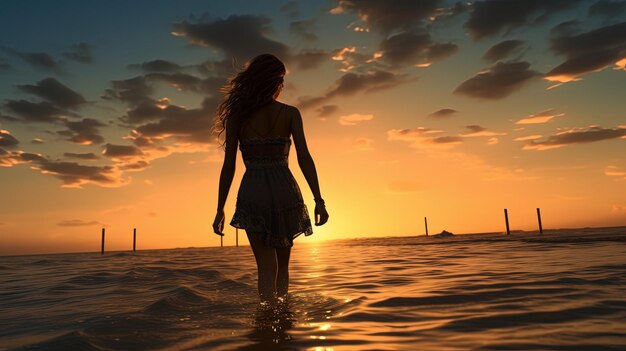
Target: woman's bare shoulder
291	110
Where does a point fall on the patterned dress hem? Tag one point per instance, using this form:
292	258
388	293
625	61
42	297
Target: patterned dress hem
281	230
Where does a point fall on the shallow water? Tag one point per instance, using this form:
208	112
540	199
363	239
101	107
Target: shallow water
564	290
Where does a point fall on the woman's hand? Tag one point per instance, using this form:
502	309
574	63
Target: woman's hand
321	215
218	223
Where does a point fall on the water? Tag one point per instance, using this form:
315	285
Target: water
564	290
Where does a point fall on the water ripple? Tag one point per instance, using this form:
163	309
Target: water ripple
562	291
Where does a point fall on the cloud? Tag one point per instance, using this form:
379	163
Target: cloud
326	110
60	101
478	131
42	111
443	113
239	36
498	81
242	37
77	223
85	131
352	119
290	8
587	52
55	92
387	16
132	91
614	171
82	156
135	166
414	48
607	9
375	80
422	137
406	41
189	125
148	111
12	158
541	117
80	52
183	81
577	136
439	51
71	174
492	17
304	29
4	66
493	141
349	59
121	151
75	175
352	83
411	134
7	140
504	49
447	140
529	137
306	102
160	66
39	60
37	141
160	127
127	157
307	59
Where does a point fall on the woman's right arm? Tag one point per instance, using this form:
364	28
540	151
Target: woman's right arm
226	175
305	161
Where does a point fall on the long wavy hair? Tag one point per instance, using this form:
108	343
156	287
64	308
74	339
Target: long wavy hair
252	87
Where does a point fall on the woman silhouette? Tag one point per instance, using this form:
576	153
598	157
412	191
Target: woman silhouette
269	202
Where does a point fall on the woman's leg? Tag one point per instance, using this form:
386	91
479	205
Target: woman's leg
282	279
267	266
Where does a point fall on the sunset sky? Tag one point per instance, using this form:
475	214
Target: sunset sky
451	110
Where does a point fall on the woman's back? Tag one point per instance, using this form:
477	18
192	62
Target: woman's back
270	121
265	137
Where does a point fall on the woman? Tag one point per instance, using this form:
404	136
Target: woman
269	202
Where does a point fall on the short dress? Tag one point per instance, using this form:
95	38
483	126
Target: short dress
269	201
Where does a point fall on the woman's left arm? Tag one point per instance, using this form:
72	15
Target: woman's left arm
226	176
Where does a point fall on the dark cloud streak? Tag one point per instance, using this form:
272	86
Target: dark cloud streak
504	49
55	92
81	52
577	136
492	17
7	140
498	81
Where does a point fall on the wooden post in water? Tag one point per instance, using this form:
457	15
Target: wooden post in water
539	220
506	219
134	239
221	241
102	247
236	237
426	225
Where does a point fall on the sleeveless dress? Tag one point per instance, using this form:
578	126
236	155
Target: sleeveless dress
269	202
